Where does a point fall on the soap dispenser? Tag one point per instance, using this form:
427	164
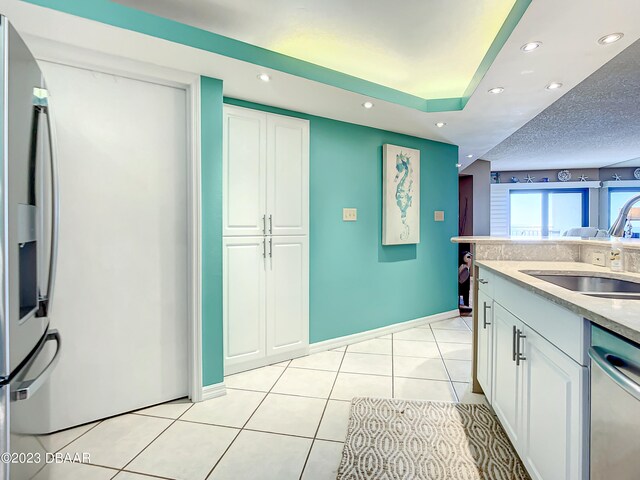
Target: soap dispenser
616	256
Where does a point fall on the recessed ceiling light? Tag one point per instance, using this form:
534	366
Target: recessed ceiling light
458	165
469	156
264	77
531	46
553	86
611	38
496	90
440	124
367	105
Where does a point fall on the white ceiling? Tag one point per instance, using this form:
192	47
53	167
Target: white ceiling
595	124
570	53
429	48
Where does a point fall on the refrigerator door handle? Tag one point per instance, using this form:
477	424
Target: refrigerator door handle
55	215
26	389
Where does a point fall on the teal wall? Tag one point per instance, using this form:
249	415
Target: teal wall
211	184
356	284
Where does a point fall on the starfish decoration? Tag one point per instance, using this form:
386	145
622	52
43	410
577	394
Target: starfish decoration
529	178
616	177
583	178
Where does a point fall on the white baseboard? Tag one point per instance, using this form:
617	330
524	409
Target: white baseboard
369	334
213	391
264	361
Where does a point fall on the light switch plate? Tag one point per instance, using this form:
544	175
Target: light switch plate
349	214
598	258
438	215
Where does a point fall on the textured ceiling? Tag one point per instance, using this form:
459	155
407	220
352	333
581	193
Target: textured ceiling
595	124
428	48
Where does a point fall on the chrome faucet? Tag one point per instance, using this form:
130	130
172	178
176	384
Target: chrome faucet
617	227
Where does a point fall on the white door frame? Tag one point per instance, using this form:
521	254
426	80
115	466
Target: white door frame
77	57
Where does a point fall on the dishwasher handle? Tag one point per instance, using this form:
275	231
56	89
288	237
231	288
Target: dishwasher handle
603	358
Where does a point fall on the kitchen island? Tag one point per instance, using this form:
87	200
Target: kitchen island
532	339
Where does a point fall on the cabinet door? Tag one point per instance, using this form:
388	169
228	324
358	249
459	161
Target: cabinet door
243	302
287	294
244	171
287	175
507	382
485	343
553	413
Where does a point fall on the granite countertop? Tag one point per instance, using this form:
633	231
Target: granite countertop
620	316
628	243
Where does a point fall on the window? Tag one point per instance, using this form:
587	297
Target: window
547	213
617	198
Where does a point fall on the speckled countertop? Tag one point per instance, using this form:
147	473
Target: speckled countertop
629	243
620	316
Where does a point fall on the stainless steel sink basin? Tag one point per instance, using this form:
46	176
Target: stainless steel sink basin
594	286
579	283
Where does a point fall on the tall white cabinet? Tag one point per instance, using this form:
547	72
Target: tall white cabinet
265	245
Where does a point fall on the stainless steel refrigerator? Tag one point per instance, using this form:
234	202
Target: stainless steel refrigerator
29	350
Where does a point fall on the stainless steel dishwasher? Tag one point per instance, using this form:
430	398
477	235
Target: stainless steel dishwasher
615	407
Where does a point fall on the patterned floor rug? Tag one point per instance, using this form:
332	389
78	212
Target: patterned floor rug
414	440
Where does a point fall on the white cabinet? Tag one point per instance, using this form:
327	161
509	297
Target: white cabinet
287	297
244	310
553	395
485	343
265	228
265	173
537	391
507	377
244	186
287	175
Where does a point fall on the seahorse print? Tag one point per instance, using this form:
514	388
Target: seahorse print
404	177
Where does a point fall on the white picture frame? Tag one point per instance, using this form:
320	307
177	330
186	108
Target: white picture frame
400	195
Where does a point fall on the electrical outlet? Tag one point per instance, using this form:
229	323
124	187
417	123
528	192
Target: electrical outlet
598	258
349	214
438	216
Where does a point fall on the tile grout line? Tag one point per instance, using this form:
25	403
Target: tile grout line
241	429
393	374
156	437
315	435
455	394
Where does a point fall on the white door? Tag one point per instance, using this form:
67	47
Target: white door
507	383
485	343
552	411
287	294
244	172
121	286
287	175
243	299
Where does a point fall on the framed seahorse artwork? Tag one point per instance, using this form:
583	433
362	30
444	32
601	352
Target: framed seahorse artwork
400	195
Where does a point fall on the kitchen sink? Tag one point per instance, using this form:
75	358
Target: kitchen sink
594	286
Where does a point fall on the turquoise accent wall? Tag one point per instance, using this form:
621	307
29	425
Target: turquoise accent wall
211	184
356	284
111	13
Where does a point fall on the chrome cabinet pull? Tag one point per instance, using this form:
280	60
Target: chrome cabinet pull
270	223
264	248
271	247
485	315
513	344
264	224
483	281
519	356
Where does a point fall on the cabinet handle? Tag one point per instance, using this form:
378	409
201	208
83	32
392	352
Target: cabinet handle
483	281
513	344
264	224
519	356
485	315
271	247
270	223
264	249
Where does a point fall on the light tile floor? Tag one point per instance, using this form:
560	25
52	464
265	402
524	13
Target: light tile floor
284	421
